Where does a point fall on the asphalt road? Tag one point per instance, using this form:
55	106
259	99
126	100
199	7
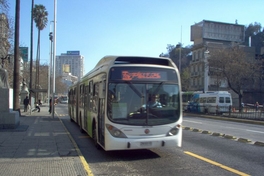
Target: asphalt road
253	132
201	154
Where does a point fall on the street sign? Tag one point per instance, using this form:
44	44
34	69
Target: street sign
24	53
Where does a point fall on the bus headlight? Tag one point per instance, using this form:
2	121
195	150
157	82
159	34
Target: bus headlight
115	132
174	131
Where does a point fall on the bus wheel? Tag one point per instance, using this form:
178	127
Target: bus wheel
95	138
72	120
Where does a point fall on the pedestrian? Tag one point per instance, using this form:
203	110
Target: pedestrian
26	103
257	106
50	105
242	106
37	107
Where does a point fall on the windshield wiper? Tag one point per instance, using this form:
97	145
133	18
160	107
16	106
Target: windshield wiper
158	88
134	89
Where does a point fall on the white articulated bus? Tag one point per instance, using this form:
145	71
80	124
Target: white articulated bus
210	102
111	103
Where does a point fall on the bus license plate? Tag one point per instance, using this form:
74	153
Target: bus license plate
145	144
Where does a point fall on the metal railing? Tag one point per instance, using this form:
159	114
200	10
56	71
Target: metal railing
247	112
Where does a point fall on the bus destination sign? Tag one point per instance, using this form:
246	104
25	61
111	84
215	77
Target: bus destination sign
139	75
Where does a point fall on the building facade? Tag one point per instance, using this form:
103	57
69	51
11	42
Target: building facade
70	62
207	36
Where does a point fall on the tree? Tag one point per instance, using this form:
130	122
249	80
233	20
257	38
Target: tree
256	32
40	16
4	6
173	52
61	87
185	79
234	66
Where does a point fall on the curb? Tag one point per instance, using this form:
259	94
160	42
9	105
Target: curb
259	143
83	161
229	136
243	140
257	122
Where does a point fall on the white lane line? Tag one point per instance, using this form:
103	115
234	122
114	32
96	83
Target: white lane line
255	131
192	121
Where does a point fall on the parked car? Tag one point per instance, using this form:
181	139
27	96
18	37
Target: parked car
63	99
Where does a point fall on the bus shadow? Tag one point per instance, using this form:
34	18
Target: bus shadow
128	155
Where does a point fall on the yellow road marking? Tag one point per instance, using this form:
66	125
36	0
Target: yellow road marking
216	164
83	161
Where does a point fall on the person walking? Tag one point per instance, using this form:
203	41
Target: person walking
50	105
26	103
257	106
38	107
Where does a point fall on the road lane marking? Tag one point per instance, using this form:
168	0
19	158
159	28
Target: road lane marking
192	121
217	164
255	131
83	161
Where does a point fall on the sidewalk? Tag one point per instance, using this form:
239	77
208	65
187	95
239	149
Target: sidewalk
39	146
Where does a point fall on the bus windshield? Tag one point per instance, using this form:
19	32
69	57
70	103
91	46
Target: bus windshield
143	103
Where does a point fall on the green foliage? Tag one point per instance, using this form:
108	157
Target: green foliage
40	16
235	66
185	79
256	32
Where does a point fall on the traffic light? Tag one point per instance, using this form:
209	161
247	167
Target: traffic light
51	36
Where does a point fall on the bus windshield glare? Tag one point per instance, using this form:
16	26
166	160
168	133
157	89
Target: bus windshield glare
143	104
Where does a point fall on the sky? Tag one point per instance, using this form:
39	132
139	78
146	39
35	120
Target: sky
127	27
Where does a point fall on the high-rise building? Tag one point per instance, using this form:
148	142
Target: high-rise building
70	62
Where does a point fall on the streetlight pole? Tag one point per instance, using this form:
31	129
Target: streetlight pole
16	82
206	69
54	56
31	54
50	63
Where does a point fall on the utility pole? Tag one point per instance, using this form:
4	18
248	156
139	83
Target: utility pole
16	82
31	53
54	56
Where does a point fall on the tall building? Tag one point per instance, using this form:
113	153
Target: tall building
207	36
70	63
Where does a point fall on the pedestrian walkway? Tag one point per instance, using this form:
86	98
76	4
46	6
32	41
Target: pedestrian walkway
40	145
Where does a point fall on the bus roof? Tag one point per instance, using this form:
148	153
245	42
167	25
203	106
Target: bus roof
117	60
134	60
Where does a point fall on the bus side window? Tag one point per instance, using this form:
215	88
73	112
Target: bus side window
90	94
227	100
202	100
221	99
95	96
211	100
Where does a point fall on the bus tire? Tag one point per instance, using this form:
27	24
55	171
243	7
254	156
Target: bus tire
71	120
95	138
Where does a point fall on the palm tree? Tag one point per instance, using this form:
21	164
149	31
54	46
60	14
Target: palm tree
40	16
